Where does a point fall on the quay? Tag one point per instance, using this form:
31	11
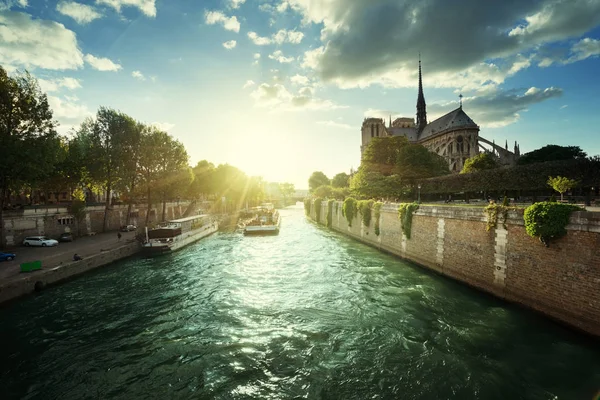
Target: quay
57	262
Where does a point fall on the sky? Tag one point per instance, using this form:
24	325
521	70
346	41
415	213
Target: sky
279	88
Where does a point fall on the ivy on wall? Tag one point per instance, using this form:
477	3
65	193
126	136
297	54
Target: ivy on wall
330	212
376	215
364	208
307	204
317	206
349	209
405	214
548	220
337	208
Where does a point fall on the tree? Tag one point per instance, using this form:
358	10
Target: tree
381	155
561	184
552	152
324	191
203	184
317	179
414	162
287	190
28	140
480	162
341	180
153	141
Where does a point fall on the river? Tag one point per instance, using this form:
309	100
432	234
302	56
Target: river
306	314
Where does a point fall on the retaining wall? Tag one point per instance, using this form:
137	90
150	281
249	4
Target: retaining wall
561	281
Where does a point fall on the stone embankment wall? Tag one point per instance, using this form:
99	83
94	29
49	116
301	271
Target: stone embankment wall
52	221
27	284
561	281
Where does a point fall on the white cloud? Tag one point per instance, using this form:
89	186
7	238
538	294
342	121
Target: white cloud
147	7
36	43
564	106
68	111
334	124
282	36
53	85
249	83
164	126
101	64
258	40
8	4
81	13
217	17
277	97
278	56
138	75
236	3
230	44
299	80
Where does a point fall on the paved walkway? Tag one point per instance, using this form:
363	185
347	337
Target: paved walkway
61	254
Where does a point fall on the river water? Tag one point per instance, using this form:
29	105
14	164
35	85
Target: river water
306	314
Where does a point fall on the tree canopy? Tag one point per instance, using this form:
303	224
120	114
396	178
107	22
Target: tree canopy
552	152
317	179
341	180
479	163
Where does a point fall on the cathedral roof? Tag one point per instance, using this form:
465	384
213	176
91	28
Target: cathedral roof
456	119
410	133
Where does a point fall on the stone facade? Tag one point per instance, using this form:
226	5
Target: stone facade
52	221
561	281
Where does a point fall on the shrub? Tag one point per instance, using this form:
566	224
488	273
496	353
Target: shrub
330	212
493	211
364	207
376	215
547	220
405	213
307	204
349	209
317	206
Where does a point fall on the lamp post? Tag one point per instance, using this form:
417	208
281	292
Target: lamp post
419	193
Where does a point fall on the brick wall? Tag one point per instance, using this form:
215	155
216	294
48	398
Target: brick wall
561	281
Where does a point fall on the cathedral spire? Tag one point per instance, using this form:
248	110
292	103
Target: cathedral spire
390	120
421	106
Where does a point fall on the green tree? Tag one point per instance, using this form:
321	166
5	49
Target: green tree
341	180
381	155
552	152
561	184
324	191
317	179
287	191
414	162
479	162
29	145
203	184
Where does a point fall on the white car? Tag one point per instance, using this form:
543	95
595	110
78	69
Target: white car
42	241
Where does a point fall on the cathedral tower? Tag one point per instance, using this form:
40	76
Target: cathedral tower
421	107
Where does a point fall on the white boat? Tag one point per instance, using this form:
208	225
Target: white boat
265	221
175	234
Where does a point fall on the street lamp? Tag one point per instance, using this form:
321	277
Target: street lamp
419	193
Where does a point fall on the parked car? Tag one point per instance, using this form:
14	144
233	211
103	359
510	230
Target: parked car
128	228
7	256
66	237
42	241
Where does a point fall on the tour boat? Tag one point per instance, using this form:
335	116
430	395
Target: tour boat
175	234
265	221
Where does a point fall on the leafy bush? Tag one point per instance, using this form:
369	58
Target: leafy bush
493	211
405	213
317	206
547	220
349	209
376	215
307	204
364	208
330	213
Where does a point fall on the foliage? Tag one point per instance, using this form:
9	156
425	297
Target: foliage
337	208
374	184
364	208
494	211
287	190
317	205
377	214
546	220
341	180
323	191
307	205
405	214
552	152
349	209
381	155
561	184
414	163
330	212
520	177
317	179
77	209
480	162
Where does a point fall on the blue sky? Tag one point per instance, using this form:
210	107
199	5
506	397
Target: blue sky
279	88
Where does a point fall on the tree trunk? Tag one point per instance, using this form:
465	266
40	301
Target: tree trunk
561	197
164	207
2	237
106	209
149	207
128	219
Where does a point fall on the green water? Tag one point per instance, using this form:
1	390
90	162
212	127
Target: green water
306	314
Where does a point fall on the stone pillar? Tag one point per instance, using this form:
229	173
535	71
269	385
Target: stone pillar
439	257
500	256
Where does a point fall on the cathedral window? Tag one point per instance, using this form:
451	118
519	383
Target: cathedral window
459	144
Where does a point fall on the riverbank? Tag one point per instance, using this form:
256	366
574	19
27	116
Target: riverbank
57	264
560	281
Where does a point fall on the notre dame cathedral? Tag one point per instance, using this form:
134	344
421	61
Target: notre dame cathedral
454	136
